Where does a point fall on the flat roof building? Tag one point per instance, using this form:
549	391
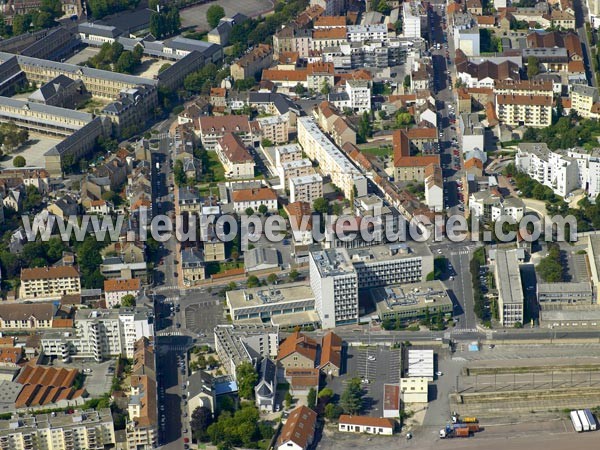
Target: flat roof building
559	294
409	302
420	364
510	292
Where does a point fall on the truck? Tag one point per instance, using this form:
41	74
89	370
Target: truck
591	419
458	430
584	420
457	419
576	422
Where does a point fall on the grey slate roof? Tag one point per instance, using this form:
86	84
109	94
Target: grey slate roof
51	88
99	29
48	109
261	256
190	257
95	127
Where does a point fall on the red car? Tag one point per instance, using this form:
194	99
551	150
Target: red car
186	440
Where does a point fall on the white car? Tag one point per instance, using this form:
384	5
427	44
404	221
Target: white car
439	374
371	358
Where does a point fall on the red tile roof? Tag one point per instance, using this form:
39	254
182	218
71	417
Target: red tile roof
298	343
366	421
299	428
331	350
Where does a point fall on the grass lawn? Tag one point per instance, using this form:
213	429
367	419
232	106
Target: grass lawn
377	151
214	268
213	170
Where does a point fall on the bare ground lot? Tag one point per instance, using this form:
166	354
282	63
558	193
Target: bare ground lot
196	15
33	151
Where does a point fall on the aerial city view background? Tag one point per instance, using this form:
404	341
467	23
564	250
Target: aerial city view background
299	224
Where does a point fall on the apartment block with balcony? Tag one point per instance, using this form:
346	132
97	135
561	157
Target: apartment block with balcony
306	188
81	430
49	282
524	110
332	161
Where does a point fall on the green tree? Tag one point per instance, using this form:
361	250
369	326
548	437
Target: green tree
20	24
164	67
19	161
262	209
126	63
403	119
288	400
249	211
252	281
201	419
272	278
351	399
293	275
364	128
299	89
321	205
179	174
333	411
311	398
128	301
533	67
247	377
325	88
325	395
214	14
33	198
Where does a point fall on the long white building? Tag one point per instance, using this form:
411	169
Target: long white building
331	160
563	171
510	292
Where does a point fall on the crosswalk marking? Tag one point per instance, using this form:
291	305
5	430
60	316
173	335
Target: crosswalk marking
465	330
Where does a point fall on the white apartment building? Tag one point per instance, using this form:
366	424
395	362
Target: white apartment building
490	207
49	282
292	169
434	188
306	188
552	169
82	430
331	160
359	95
335	285
337	274
235	157
588	164
510	292
468	41
472	131
372	32
101	333
411	20
116	289
594	11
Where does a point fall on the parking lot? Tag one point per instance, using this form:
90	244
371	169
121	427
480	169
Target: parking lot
195	16
203	314
98	377
376	366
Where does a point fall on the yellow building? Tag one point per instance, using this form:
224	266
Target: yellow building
49	282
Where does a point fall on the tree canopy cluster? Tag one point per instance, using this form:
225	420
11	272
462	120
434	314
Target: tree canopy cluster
247	378
240	429
201	81
567	132
550	267
12	136
165	23
34	20
34	254
101	8
113	57
479	300
351	400
214	14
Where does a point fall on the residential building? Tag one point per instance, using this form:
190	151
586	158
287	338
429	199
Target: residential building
297	351
298	431
585	100
411	19
265	390
306	188
414	390
331	355
49	282
236	344
357	96
334	283
490	207
254	198
79	430
407	167
468	41
292	169
285	305
116	289
253	62
101	333
213	128
28	316
331	160
552	169
472	131
234	156
330	7
364	424
368	32
510	291
521	110
192	266
434	187
314	76
274	128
